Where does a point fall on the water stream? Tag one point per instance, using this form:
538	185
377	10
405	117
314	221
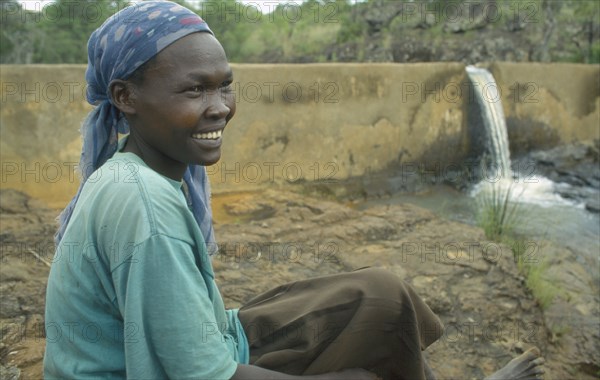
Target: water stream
563	224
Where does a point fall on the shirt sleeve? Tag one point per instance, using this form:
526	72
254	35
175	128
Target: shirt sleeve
168	317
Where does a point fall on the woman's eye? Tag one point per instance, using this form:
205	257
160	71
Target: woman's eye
197	89
227	87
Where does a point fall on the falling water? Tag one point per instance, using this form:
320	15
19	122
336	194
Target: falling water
528	189
488	97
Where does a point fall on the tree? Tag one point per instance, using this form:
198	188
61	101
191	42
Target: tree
67	26
17	34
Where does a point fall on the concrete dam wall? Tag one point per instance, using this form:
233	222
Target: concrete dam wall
313	122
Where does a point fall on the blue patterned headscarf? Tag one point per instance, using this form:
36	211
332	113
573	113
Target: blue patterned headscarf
125	41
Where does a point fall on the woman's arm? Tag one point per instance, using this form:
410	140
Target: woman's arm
251	372
170	328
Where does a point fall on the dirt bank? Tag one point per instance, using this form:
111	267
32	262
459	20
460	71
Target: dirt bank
273	237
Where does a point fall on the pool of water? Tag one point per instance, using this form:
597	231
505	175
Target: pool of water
544	216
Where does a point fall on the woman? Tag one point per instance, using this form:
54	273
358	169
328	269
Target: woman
131	292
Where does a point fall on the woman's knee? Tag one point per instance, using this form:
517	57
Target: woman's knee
378	282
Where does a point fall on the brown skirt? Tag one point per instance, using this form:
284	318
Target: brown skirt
368	319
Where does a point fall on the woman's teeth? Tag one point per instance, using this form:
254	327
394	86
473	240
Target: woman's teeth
208	136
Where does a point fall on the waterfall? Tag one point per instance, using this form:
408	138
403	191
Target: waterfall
520	188
488	97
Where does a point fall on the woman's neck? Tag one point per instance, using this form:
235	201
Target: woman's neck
154	159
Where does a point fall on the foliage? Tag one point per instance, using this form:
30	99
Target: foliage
351	26
318	30
58	33
16	35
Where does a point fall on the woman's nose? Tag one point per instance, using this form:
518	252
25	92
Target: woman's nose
218	107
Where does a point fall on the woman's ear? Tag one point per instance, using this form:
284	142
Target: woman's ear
123	95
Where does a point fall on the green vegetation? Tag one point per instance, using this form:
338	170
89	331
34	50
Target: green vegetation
500	217
534	269
334	30
497	215
58	33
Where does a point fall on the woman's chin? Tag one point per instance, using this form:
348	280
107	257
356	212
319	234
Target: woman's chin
208	160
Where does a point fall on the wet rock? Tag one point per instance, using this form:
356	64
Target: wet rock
576	164
593	205
574	168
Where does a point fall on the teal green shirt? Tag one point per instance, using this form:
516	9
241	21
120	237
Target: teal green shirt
131	292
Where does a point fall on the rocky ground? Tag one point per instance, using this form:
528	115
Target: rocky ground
273	237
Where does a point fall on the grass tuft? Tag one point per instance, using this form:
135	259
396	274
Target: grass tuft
500	217
496	214
543	290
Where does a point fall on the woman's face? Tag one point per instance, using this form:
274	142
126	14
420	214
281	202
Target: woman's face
182	105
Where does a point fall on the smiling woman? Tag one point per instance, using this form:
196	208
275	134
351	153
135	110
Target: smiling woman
133	281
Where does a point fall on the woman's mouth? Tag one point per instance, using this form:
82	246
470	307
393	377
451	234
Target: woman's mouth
208	135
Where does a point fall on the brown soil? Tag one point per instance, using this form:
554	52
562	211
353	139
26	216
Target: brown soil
273	237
